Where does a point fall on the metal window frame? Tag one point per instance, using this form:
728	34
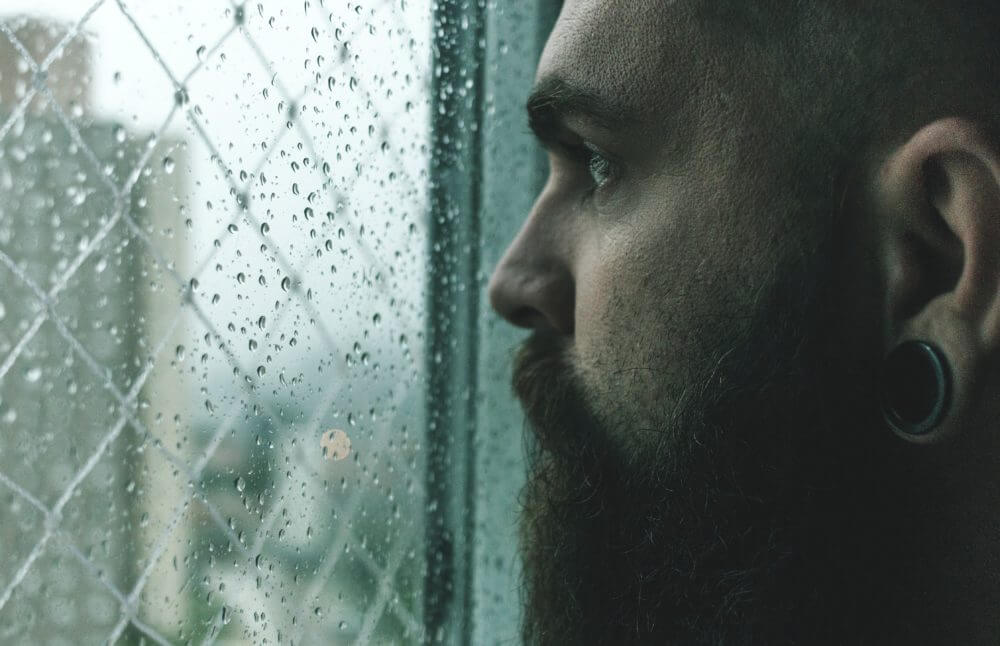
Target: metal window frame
485	172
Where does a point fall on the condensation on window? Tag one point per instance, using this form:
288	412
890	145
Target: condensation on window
213	259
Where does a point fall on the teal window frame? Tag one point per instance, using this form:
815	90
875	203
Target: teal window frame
485	173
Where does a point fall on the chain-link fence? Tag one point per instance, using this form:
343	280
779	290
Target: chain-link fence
211	329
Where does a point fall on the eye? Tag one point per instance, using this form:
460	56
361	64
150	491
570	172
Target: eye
600	167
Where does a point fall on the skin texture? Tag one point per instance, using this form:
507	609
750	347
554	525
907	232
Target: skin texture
713	278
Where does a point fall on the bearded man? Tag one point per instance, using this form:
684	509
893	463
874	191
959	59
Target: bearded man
763	284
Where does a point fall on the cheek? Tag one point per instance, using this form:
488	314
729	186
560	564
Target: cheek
658	302
633	321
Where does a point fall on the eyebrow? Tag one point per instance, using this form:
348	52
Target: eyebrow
553	100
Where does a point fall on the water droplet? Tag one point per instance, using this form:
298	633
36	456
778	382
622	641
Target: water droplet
144	519
10	416
377	319
241	278
353	83
318	612
261	322
168	165
314	32
200	52
330	83
179	353
261	370
119	133
130	487
33	374
342	625
286	283
241	484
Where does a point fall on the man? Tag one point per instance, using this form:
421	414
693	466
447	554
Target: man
763	281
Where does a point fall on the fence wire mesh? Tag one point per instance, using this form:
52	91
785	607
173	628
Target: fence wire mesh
210	328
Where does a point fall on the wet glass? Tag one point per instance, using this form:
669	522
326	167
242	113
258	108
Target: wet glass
214	259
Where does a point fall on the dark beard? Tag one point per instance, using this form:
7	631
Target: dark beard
776	510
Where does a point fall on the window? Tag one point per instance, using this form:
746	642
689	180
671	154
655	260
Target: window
249	389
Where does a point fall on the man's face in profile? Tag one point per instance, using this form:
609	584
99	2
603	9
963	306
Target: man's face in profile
708	464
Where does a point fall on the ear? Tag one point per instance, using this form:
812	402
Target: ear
938	204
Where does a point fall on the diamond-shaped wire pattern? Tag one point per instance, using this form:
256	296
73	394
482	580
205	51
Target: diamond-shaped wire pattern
211	323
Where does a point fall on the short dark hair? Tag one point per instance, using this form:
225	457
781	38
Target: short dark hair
897	61
851	78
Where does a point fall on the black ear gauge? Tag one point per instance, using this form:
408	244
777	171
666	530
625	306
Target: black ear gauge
916	388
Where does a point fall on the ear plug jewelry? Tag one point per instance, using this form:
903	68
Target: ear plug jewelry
916	388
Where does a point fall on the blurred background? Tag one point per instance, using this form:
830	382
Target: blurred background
250	389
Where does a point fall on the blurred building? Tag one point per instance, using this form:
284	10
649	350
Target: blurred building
68	359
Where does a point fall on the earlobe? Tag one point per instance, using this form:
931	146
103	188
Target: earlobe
939	199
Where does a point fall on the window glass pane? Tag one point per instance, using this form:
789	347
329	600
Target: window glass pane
213	259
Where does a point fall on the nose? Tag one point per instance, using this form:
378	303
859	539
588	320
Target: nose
533	285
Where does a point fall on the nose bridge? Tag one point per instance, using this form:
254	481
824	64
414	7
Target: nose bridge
533	284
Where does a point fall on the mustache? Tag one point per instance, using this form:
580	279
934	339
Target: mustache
552	395
542	372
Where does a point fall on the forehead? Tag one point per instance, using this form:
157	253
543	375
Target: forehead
640	51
